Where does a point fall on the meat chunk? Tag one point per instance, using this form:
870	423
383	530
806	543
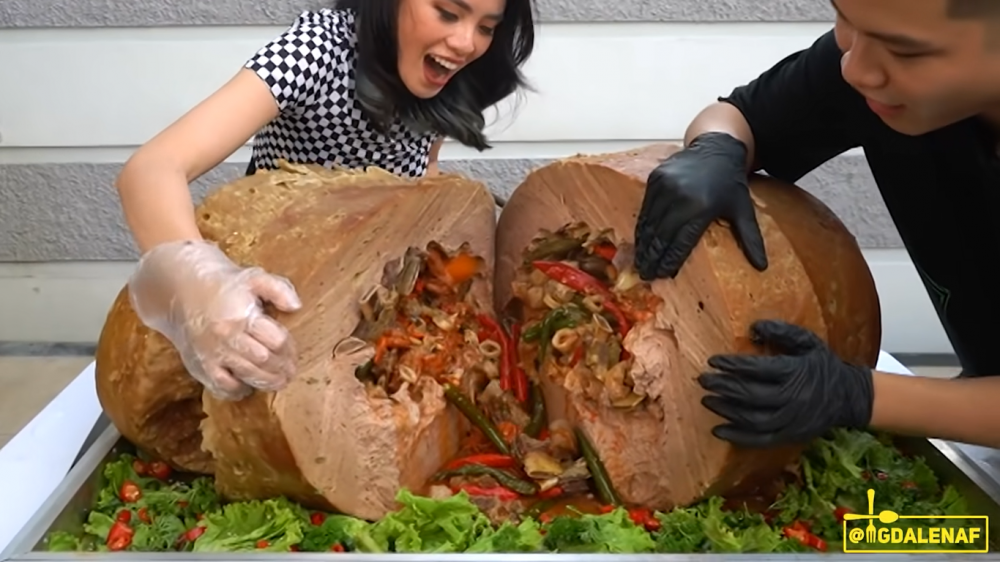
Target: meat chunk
647	423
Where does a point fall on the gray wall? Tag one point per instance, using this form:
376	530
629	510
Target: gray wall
56	212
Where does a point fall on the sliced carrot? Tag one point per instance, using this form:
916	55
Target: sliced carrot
461	268
509	430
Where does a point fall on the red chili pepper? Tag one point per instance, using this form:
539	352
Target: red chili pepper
839	513
519	377
644	517
120	536
495	460
799	530
193	533
797	533
159	470
129	492
606	250
317	518
583	282
498	492
491	325
553	492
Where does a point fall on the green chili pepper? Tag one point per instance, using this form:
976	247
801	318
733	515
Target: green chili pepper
476	417
538	413
506	479
364	371
532	333
563	317
554	249
602	481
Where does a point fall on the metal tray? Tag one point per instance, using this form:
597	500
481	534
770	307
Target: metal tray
974	471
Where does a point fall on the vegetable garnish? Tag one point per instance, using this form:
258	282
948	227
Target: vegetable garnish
803	518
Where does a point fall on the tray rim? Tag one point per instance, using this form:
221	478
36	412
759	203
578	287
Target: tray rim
19	548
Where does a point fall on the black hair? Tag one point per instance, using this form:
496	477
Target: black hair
986	10
457	111
973	9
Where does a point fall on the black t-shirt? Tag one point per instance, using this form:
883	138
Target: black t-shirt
942	188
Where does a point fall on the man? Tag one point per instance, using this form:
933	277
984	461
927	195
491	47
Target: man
916	84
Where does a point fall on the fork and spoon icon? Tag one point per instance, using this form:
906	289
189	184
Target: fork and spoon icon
884	516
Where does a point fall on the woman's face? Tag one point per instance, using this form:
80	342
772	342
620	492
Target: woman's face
437	38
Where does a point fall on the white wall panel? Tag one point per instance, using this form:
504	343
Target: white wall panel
595	82
91	96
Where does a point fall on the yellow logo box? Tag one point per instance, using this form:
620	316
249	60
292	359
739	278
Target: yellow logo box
886	532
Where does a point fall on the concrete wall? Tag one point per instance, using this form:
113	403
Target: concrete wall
87	81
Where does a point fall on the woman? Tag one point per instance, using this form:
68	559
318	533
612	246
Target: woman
371	82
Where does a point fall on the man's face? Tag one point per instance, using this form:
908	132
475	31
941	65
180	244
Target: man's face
919	68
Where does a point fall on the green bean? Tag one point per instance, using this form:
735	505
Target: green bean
506	479
602	481
477	418
563	317
554	249
532	333
538	413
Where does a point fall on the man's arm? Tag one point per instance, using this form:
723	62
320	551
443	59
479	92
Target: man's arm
962	410
794	117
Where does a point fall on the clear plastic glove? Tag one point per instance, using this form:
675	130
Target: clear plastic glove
211	310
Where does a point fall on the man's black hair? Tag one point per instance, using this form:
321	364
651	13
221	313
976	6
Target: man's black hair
973	9
457	111
987	10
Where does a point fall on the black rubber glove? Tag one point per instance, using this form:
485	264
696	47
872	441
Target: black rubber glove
704	182
790	398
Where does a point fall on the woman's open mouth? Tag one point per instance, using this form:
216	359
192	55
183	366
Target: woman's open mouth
438	70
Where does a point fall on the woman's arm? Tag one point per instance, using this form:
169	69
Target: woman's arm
432	164
962	410
153	184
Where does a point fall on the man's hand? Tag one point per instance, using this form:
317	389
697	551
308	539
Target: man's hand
685	194
789	398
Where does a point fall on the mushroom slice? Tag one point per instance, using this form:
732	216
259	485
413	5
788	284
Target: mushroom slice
540	465
413	262
629	401
408	374
348	346
368	301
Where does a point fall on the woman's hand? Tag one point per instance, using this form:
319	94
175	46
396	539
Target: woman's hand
210	309
790	398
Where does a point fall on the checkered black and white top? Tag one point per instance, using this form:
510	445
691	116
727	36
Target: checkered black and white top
310	70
